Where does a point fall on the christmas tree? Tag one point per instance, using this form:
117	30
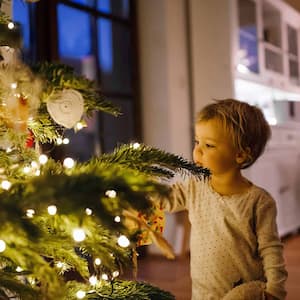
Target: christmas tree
70	229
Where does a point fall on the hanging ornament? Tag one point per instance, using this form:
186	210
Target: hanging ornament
8	55
66	107
19	95
17	112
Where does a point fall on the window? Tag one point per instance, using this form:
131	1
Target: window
97	39
22	13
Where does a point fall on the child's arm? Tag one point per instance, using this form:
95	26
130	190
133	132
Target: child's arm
180	194
270	248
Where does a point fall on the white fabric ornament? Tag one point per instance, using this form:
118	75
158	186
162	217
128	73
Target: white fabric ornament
66	107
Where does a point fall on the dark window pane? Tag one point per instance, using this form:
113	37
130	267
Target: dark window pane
121	129
84	2
74	32
294	71
292	40
20	14
118	8
273	61
114	56
248	38
85	143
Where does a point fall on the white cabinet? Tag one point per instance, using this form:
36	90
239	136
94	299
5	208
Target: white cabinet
267	43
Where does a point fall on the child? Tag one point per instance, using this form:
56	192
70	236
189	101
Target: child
236	253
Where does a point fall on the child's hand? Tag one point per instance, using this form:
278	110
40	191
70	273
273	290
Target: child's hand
270	297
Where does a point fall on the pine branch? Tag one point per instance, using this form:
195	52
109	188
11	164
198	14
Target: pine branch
121	290
10	286
151	161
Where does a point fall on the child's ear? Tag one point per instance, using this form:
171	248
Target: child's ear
243	156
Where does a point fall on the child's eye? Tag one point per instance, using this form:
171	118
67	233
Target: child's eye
209	146
196	142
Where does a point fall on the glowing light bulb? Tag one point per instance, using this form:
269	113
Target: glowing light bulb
43	159
136	145
93	280
111	193
97	261
30	213
59	141
117	219
5	184
69	163
104	276
19	269
11	25
123	241
37	173
2	246
52	210
116	273
34	164
78	235
26	170
8	150
88	211
80	294
66	141
79	126
14	85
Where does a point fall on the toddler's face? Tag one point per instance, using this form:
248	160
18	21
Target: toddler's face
214	148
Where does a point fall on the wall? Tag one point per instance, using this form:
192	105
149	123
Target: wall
164	75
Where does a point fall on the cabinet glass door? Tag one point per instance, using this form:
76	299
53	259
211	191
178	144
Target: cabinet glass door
248	37
293	57
272	38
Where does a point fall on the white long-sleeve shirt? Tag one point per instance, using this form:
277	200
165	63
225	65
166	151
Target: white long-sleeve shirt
234	239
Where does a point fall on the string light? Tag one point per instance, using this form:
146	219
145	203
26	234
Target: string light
104	276
43	159
26	170
30	213
52	209
93	280
59	141
11	25
117	219
66	141
123	241
37	173
69	163
97	261
116	273
5	184
8	150
78	235
14	85
2	246
136	145
60	264
111	193
88	211
79	126
19	269
34	164
80	294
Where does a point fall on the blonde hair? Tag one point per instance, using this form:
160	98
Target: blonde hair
245	124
